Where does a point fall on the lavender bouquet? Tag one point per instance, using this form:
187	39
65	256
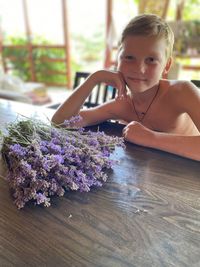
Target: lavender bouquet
44	160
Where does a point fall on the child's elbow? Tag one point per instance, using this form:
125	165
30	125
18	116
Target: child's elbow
55	119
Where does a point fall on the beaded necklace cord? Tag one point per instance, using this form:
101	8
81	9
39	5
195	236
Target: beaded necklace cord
140	119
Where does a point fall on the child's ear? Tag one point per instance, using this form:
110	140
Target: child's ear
167	67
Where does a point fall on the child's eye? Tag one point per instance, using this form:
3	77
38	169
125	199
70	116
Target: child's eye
128	57
151	60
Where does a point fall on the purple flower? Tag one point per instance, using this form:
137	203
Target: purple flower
71	122
56	160
17	150
41	198
55	149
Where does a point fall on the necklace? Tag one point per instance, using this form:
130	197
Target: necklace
140	119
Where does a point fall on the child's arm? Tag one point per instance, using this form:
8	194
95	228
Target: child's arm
186	146
183	145
73	104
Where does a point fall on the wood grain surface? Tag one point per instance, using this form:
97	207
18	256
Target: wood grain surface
146	214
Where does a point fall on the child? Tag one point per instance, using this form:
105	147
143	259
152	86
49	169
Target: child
159	113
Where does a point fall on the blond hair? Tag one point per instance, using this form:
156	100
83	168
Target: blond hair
150	25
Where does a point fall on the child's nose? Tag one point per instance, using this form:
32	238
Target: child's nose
141	67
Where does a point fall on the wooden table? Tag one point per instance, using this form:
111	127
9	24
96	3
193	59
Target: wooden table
147	214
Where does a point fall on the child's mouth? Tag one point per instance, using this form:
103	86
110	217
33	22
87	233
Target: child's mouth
135	79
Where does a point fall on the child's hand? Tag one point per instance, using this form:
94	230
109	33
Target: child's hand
112	78
138	134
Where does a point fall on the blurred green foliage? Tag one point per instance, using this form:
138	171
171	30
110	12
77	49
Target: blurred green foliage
86	51
90	48
18	60
190	11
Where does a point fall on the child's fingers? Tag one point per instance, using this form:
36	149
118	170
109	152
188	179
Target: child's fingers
122	92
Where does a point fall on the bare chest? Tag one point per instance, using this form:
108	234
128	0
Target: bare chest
170	122
163	119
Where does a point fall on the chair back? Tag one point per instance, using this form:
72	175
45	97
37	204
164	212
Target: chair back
196	82
100	94
79	78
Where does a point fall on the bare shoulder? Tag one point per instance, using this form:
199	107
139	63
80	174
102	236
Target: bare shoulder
179	86
179	89
184	95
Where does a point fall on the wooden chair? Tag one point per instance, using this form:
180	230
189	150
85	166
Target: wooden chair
196	82
79	78
100	94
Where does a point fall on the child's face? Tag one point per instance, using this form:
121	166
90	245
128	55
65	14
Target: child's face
142	61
